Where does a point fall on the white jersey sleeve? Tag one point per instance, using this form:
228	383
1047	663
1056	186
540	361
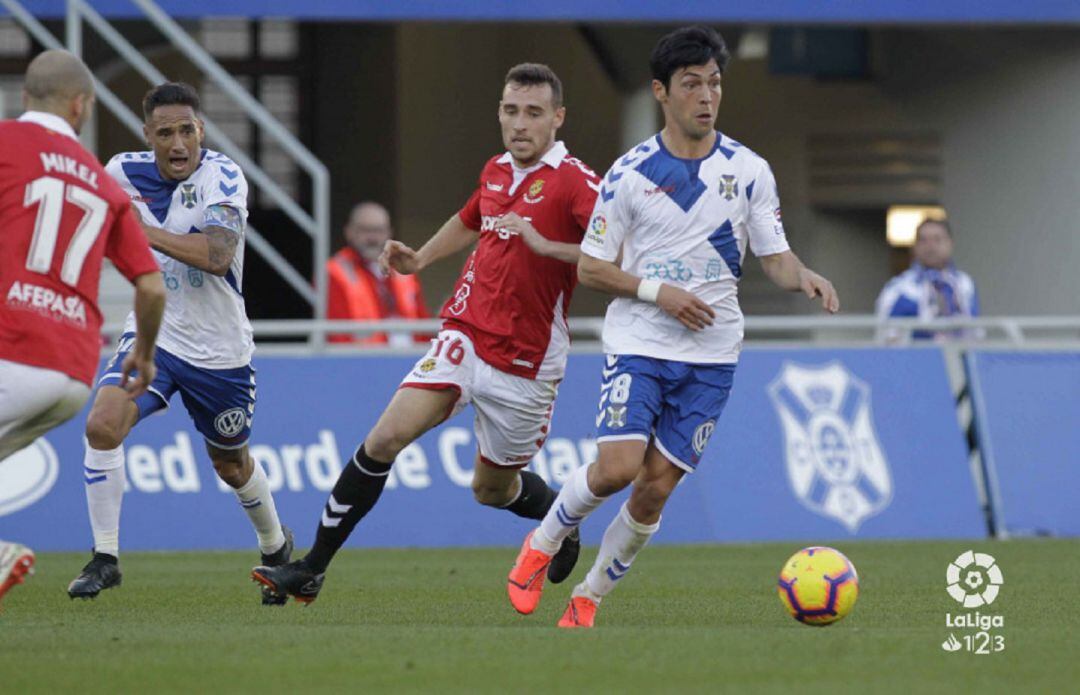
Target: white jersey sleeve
224	184
764	225
610	219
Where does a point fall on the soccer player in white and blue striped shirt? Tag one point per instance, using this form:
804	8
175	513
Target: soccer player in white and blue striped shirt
668	238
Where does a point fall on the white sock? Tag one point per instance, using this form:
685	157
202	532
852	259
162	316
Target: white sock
257	501
103	475
623	540
574	503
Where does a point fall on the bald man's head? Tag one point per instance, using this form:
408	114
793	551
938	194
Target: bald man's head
58	82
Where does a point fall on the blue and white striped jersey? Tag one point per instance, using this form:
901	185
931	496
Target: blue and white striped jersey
686	222
927	293
205	321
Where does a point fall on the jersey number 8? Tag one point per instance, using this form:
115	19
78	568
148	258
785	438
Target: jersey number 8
620	389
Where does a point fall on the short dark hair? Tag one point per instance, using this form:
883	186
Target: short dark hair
694	45
935	220
170	94
530	74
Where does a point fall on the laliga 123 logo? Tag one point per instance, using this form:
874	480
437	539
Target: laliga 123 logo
974	580
26	476
835	463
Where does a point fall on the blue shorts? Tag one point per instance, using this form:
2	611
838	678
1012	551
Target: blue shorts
221	402
675	403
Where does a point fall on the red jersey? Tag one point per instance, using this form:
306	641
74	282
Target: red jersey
60	213
510	301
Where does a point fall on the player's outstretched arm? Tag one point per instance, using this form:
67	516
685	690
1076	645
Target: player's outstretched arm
608	277
537	242
788	272
212	250
452	237
149	307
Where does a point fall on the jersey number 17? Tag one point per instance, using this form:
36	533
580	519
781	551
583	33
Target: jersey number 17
49	194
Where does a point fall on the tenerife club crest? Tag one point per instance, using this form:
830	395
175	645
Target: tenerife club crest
729	187
835	463
187	195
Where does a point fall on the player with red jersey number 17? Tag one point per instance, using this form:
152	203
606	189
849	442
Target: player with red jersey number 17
504	339
61	214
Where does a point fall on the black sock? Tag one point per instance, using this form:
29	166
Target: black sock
535	499
356	491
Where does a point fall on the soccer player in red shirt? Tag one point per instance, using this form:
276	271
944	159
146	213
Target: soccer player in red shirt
60	214
504	339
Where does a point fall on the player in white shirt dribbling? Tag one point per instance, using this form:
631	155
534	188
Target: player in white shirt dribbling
193	206
667	238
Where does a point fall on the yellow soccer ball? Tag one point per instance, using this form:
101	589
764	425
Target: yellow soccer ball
818	586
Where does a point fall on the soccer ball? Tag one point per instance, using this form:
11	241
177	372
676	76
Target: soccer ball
818	586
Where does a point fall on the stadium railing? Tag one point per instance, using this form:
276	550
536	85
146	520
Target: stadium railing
857	330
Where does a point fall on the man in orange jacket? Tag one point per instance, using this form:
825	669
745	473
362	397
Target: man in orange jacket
360	290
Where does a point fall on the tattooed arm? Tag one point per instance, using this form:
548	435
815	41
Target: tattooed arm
212	250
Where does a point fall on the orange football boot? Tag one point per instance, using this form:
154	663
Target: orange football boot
526	581
580	612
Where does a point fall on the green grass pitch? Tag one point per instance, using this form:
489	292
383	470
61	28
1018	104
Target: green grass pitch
686	619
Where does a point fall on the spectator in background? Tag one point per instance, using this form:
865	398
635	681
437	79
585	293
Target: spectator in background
932	287
358	287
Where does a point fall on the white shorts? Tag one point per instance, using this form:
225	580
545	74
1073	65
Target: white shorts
513	414
33	401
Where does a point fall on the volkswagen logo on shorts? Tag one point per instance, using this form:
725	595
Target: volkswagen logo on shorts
702	434
26	476
231	422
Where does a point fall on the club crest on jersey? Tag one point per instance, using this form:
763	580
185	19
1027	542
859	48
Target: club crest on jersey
195	277
616	416
533	195
729	187
427	365
188	198
835	462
